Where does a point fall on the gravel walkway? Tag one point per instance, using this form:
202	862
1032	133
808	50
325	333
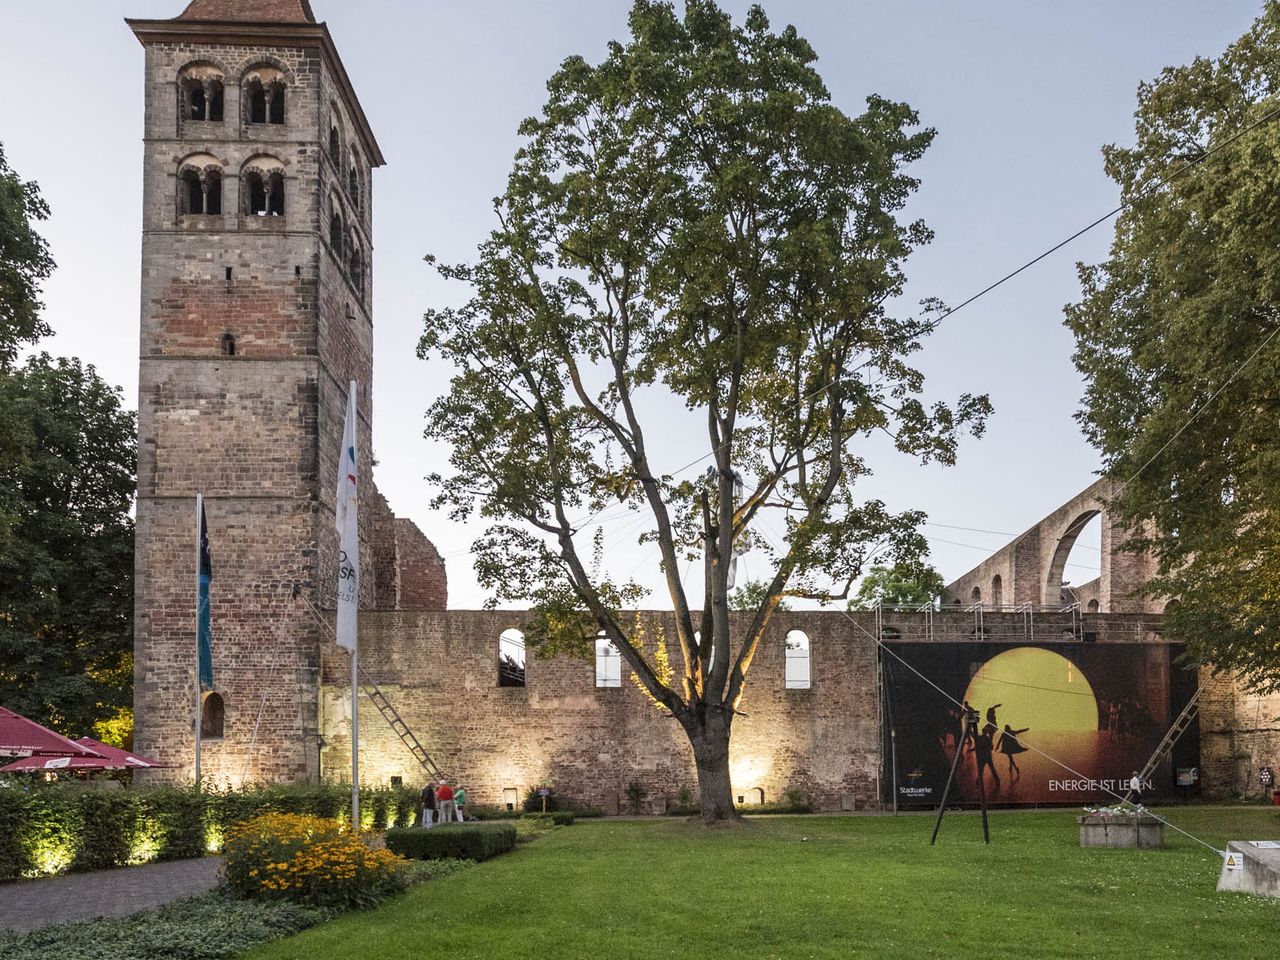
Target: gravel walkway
31	904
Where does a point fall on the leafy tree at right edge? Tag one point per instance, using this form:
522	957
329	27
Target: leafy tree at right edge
1177	339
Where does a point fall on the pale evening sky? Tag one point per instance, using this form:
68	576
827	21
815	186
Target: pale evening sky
1022	95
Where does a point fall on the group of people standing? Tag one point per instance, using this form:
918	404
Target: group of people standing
441	803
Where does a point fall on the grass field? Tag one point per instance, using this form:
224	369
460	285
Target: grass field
866	887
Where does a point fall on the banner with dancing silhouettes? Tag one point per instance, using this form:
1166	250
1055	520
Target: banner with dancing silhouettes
1099	709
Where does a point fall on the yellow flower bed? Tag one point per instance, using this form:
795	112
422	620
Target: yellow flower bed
308	860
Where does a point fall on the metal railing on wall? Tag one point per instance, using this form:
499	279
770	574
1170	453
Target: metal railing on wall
1000	623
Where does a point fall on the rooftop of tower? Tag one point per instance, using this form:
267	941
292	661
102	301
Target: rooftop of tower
249	11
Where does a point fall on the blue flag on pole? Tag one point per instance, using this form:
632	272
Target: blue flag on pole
204	625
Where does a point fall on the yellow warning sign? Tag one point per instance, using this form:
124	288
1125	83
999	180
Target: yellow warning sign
1234	861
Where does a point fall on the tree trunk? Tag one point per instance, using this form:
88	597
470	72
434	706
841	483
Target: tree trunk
710	741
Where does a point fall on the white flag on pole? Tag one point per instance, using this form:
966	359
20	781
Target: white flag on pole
345	512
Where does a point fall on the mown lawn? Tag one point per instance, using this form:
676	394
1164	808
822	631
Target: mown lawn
866	887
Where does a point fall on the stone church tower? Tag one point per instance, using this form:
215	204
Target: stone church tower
256	313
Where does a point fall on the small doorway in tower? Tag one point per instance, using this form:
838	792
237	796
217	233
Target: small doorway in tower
510	798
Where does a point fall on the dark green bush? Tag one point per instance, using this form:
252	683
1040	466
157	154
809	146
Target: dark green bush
583	813
457	841
533	801
783	807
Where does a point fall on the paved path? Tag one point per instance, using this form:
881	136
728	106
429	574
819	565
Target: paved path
31	904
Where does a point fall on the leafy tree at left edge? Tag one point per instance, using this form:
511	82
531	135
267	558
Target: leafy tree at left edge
67	469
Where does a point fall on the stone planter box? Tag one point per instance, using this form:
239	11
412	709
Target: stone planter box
1121	831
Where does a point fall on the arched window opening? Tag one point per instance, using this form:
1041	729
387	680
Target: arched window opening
797	660
190	192
263	192
608	663
213	716
200	93
228	344
353	178
997	591
1172	606
200	186
213	192
355	264
976	595
511	662
336	234
1092	607
264	96
335	147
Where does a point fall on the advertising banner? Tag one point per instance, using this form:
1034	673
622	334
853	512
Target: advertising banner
1059	723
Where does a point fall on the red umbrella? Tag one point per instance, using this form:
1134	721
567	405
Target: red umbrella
112	758
20	737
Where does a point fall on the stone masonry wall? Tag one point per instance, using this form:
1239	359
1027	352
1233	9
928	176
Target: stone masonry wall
441	670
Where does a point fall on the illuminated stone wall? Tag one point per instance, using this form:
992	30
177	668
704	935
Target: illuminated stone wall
441	672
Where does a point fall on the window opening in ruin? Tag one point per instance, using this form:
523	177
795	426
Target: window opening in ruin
976	595
228	273
511	659
213	716
997	592
797	661
1092	606
397	781
228	345
335	147
196	99
608	664
510	797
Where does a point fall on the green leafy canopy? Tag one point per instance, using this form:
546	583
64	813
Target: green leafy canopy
689	221
1175	339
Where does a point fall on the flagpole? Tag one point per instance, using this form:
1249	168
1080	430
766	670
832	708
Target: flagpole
199	514
355	739
346	519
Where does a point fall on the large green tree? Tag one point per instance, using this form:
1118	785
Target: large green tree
901	585
67	449
1177	339
689	224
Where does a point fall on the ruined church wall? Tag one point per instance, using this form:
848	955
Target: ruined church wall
440	670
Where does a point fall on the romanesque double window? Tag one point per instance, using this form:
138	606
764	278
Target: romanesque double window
262	187
263	95
200	186
201	92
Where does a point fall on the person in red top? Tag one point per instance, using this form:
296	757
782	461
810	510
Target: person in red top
444	802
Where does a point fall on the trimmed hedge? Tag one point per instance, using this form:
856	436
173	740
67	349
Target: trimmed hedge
454	841
52	828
